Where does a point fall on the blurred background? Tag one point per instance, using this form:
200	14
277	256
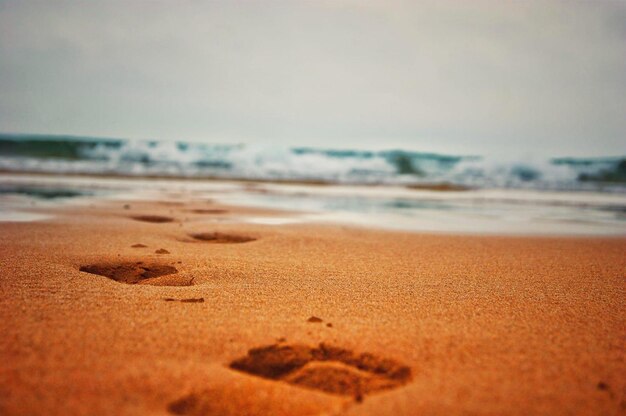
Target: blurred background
433	96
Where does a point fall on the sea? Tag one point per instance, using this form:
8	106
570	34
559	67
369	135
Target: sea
394	188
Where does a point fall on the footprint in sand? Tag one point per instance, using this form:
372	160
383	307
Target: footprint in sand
172	203
221	238
188	300
326	368
134	273
152	218
209	211
316	320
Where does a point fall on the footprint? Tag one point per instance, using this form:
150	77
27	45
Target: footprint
222	238
152	218
209	211
130	273
188	300
326	368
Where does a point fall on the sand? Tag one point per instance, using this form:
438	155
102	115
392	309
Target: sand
181	308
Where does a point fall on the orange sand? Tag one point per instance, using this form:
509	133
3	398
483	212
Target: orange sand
226	324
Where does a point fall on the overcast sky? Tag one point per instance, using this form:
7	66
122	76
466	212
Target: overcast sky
455	77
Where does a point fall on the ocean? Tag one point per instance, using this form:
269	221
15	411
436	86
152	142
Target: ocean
393	189
179	159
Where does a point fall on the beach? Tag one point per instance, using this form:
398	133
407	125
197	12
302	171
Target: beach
173	305
313	208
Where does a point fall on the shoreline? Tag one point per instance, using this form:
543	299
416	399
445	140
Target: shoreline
472	212
429	186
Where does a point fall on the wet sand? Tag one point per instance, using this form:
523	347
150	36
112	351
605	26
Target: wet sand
177	307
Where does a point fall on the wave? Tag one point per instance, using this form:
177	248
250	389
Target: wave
85	155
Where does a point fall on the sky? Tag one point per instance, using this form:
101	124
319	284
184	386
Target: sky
463	77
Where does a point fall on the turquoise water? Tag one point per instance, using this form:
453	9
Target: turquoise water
136	158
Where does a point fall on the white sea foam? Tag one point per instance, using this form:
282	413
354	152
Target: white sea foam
263	162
